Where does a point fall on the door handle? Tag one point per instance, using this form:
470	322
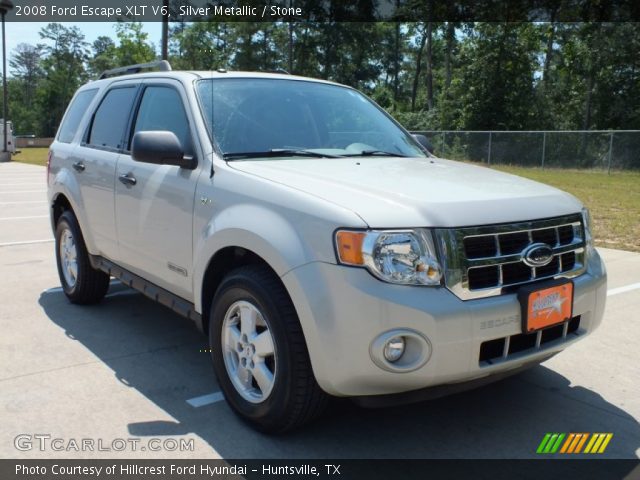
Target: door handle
79	167
127	179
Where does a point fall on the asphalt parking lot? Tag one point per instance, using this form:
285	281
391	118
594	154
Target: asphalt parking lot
129	368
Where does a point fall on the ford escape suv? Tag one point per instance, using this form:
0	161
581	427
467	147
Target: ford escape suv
320	246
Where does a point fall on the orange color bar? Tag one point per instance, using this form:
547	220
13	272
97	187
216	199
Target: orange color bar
567	442
581	443
575	442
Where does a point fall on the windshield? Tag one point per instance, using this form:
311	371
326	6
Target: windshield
255	118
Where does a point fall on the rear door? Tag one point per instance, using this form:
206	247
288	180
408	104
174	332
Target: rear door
154	203
94	163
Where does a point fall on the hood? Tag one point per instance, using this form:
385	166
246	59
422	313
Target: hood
417	192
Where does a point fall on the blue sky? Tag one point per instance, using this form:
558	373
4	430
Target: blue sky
27	32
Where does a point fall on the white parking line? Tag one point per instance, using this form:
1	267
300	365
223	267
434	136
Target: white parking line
207	399
25	191
626	288
27	242
24	218
23	202
40	184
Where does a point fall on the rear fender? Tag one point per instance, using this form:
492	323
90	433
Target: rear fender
65	183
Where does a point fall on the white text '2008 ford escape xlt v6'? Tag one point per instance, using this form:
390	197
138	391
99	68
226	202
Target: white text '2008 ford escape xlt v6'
320	246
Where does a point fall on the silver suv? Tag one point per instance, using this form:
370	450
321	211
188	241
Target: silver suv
320	246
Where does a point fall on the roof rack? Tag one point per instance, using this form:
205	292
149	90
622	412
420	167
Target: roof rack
161	65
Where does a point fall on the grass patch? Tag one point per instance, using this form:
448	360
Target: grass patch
614	200
33	156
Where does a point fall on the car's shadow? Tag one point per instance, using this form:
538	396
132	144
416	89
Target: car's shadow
162	356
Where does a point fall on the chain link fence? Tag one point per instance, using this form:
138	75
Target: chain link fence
583	149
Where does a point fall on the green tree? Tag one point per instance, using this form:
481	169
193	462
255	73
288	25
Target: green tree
104	55
495	87
134	46
26	72
201	46
64	71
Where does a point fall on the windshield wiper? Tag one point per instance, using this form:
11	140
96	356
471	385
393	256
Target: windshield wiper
371	153
277	152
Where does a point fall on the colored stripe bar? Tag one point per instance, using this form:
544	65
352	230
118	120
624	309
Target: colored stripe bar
543	443
556	446
550	443
581	443
605	443
594	437
567	443
596	445
573	445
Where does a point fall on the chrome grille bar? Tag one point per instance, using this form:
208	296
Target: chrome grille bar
491	269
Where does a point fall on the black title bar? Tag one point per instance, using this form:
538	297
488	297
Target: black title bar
325	10
318	469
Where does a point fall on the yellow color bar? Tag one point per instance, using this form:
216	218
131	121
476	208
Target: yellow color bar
607	439
596	445
594	437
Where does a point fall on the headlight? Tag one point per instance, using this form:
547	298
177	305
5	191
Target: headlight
586	221
406	257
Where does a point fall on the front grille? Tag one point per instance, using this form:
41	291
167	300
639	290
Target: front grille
501	349
488	260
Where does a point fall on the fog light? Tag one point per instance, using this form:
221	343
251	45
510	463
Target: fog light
394	348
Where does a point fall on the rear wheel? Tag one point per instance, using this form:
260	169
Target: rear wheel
259	352
81	283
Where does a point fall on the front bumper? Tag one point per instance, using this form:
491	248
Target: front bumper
343	310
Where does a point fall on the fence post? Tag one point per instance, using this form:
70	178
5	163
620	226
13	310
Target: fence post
444	141
489	153
610	152
544	147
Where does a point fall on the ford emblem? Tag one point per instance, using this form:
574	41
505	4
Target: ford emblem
537	255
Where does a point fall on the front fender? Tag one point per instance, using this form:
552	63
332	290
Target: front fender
262	231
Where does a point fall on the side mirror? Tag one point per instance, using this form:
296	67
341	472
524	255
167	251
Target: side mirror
424	141
160	147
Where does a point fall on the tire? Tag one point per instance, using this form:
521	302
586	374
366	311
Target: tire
294	397
87	285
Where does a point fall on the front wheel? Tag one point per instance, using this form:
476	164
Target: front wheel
259	352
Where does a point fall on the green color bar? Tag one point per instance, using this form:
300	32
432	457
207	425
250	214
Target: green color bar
558	442
550	443
543	443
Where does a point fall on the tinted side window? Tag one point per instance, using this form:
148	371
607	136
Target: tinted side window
110	120
162	109
76	110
